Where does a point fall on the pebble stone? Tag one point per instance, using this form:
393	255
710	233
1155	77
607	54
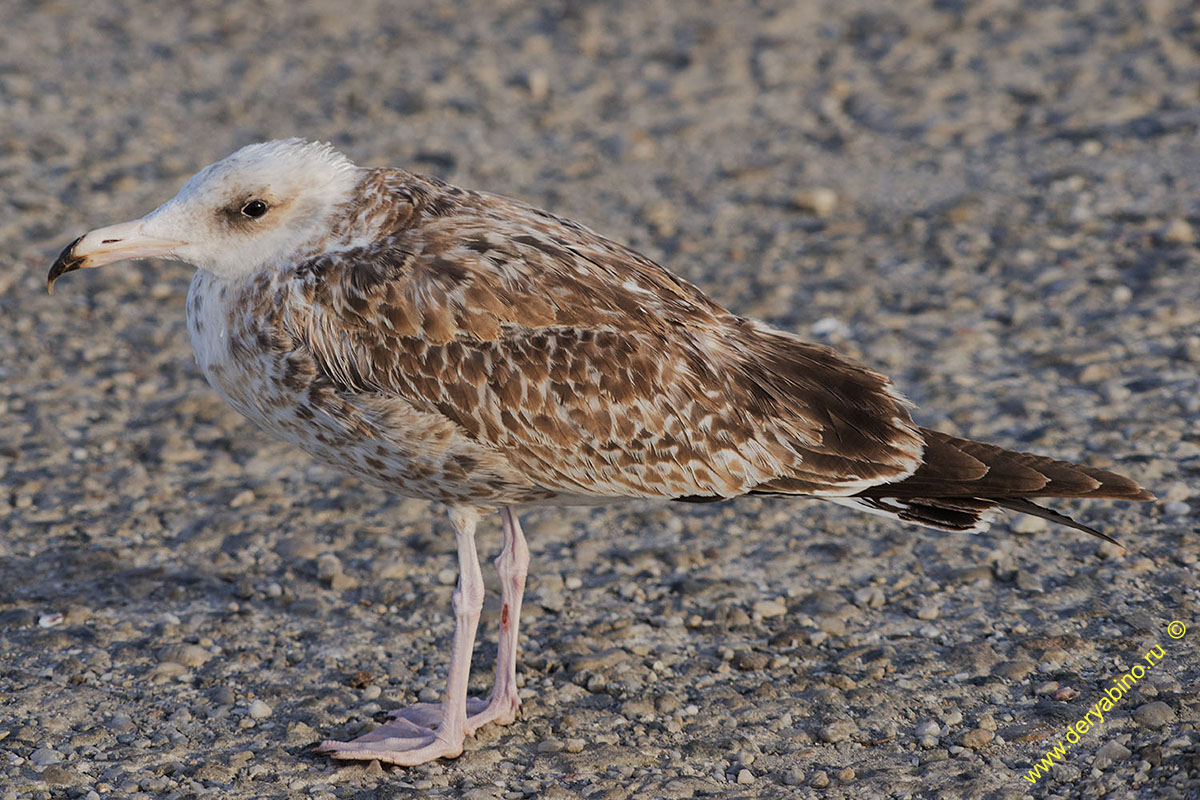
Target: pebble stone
259	710
838	731
58	776
1113	751
45	755
977	738
1154	715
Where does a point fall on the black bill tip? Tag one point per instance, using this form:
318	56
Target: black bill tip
66	262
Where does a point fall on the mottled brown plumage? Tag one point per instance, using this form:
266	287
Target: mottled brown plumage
592	372
468	348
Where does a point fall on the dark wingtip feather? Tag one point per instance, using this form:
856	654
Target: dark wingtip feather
1033	509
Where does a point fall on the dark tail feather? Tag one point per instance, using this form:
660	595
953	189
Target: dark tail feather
1034	510
961	481
956	467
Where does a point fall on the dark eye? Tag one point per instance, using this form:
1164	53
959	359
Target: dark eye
254	209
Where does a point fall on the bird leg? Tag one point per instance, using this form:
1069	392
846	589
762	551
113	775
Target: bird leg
411	739
513	566
501	705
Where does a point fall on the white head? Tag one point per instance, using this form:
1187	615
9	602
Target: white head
252	210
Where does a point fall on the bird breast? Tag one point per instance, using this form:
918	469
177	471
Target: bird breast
230	324
256	367
208	326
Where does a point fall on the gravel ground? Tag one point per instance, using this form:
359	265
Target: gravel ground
994	202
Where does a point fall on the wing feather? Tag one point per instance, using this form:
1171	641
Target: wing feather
590	368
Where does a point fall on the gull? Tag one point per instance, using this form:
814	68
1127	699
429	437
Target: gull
462	347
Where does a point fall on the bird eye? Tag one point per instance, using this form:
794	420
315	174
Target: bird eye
254	209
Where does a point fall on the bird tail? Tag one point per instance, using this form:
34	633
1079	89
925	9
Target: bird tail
961	485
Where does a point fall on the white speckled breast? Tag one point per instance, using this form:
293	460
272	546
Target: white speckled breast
251	362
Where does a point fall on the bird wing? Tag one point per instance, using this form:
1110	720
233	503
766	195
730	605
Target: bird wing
590	368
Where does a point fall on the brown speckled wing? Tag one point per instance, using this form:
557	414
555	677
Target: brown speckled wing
591	369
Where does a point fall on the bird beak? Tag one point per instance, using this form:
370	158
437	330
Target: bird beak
106	245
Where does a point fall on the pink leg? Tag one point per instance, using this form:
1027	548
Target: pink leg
409	740
502	704
513	566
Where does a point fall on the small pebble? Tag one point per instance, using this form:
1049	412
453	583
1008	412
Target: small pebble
45	755
819	200
259	710
1016	670
977	738
328	565
1029	581
1113	751
869	597
750	660
1027	524
929	728
342	581
221	696
58	776
769	608
1179	231
1176	508
189	655
838	731
928	611
120	722
1154	715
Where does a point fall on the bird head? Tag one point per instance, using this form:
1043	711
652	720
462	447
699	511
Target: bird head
256	208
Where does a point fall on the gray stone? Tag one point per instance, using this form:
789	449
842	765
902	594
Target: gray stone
189	655
1112	751
58	776
120	722
977	738
750	660
259	710
928	728
837	731
45	755
1154	715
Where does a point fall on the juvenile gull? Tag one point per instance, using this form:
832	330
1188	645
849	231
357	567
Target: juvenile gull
458	346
